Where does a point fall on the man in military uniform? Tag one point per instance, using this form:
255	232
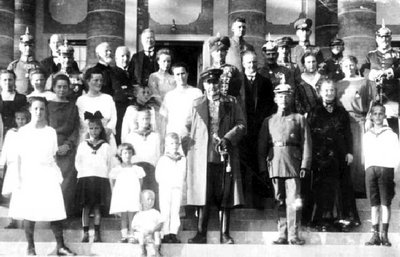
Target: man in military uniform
331	66
383	66
271	70
218	48
284	146
51	64
238	44
213	175
22	66
303	32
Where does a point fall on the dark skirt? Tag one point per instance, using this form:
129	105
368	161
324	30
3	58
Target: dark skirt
93	191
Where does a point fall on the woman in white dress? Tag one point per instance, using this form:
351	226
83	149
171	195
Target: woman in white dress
39	178
354	93
94	101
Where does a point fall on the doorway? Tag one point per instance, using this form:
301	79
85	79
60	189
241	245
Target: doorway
189	52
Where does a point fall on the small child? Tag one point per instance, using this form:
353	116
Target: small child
37	79
144	100
93	161
127	181
170	175
381	153
146	143
8	160
147	224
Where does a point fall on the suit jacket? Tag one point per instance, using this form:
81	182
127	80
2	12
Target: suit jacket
258	106
231	126
136	68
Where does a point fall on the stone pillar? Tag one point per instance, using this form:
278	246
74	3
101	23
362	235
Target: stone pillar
357	25
25	11
254	13
6	32
326	24
105	23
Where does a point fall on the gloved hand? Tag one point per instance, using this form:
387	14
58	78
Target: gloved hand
225	145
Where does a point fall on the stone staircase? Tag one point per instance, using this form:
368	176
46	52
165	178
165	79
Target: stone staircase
253	231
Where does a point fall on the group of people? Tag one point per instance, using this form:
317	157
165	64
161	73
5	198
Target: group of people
134	138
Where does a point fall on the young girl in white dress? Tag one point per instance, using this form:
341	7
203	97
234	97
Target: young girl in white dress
39	178
127	180
93	162
146	143
8	159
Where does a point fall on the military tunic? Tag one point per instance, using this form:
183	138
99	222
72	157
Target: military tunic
21	69
235	51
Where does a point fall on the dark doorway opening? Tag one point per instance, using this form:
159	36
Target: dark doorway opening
189	52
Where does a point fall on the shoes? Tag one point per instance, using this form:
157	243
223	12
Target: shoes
31	251
198	239
226	239
123	240
375	239
297	241
280	241
97	238
85	238
65	251
13	224
385	240
173	239
166	239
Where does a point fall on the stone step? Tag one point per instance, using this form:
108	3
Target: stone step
215	250
241	237
241	220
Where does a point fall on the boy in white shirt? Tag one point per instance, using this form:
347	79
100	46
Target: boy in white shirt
381	153
171	175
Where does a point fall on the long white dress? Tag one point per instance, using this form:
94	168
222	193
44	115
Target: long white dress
126	191
9	158
39	197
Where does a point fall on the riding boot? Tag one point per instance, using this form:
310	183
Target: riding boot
201	236
225	238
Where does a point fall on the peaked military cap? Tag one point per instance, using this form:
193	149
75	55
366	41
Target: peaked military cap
284	42
211	75
303	23
336	42
283	89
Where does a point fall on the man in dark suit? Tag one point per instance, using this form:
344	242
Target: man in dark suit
143	63
115	83
258	103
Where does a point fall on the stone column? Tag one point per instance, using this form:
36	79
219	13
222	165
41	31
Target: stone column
357	25
326	24
254	13
6	32
25	11
106	23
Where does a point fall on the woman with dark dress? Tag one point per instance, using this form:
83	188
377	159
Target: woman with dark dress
12	101
64	118
332	155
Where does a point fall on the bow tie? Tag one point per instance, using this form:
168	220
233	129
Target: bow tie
149	53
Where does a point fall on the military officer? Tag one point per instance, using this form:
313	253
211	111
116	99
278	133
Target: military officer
271	69
331	66
219	48
383	66
303	32
215	128
238	44
284	146
24	64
